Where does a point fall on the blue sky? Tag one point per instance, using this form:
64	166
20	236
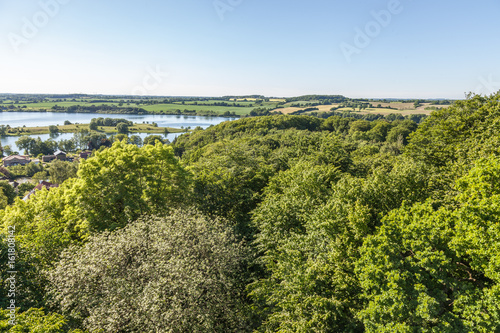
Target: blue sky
415	49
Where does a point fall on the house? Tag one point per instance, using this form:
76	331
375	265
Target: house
45	184
60	155
85	154
16	160
48	158
42	184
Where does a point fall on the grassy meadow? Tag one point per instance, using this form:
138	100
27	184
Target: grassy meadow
136	128
203	106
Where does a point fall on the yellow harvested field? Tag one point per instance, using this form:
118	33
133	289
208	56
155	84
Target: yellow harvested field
322	108
387	108
426	105
407	106
401	112
287	110
397	105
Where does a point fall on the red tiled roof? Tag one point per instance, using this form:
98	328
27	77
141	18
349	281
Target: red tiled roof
45	184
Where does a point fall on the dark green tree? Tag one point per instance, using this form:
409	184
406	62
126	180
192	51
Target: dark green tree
152	139
53	129
59	171
93	125
32	168
23	188
8	191
122	128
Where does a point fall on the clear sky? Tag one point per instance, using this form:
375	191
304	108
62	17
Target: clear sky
377	48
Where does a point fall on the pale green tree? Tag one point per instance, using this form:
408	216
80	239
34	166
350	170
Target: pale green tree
180	273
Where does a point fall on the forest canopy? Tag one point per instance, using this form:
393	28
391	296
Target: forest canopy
276	223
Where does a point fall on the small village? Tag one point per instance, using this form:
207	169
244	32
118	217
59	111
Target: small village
26	175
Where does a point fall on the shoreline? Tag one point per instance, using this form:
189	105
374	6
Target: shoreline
194	113
74	128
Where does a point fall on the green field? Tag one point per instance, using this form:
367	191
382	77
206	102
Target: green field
136	128
206	106
171	107
48	105
240	102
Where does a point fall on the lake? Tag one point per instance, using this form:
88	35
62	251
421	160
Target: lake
33	119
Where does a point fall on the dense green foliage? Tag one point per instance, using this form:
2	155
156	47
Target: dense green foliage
182	273
437	269
60	171
36	321
269	224
110	121
125	182
36	146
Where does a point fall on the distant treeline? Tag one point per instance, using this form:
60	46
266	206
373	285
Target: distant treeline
98	108
37	98
331	98
417	118
110	121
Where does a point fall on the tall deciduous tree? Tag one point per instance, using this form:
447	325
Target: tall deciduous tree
181	273
61	170
430	270
122	128
311	225
152	139
119	184
462	133
32	168
53	129
8	191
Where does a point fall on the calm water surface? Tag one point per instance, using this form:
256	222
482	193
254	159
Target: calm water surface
32	119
